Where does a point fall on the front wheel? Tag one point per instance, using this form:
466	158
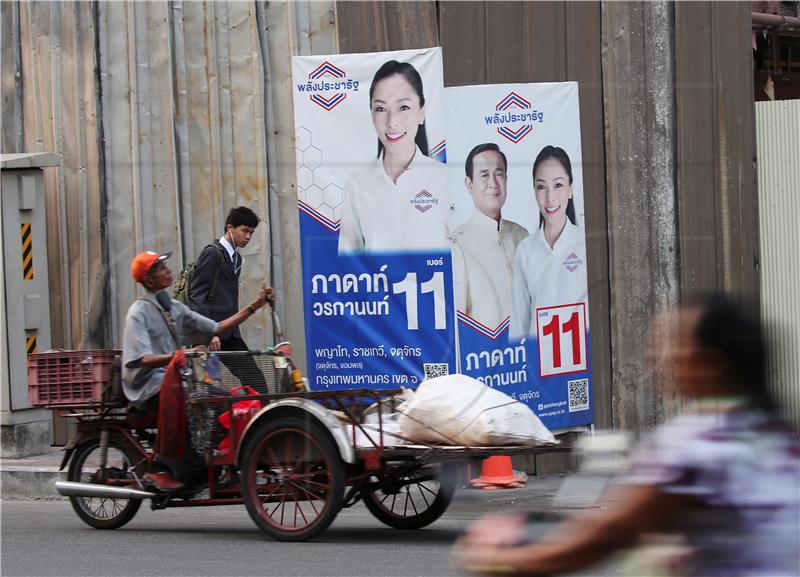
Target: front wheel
413	499
87	467
292	478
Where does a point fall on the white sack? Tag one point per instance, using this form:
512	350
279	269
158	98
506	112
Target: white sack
369	433
459	410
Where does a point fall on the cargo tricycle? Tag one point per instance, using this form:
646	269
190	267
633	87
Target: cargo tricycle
293	457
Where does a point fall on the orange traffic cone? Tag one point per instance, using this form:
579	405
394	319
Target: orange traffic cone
497	473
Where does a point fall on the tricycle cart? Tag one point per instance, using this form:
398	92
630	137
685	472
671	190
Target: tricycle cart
293	457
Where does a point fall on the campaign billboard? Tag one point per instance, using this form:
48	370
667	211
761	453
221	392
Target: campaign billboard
519	245
374	218
442	230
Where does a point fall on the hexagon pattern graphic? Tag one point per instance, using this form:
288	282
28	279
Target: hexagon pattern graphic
305	177
312	157
323	177
318	186
303	138
332	195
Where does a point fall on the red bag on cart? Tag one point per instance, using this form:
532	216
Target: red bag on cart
171	439
236	419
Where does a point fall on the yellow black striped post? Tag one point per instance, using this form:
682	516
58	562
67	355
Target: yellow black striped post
30	345
27	250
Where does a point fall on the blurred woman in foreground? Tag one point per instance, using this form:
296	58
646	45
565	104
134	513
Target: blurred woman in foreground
725	478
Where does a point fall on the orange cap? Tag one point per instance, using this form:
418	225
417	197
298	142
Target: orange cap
144	261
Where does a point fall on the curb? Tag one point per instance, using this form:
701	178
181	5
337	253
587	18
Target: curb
31	477
30	484
34	478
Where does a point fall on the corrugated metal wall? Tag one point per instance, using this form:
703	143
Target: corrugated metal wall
158	110
291	27
185	140
716	178
58	90
778	154
166	115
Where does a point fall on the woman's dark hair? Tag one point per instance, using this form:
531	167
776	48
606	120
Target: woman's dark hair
555	153
725	326
410	73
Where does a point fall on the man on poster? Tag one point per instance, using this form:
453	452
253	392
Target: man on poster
483	247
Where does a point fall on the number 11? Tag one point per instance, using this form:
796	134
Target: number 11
435	285
554	329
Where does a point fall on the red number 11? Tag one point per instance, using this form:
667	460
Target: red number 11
571	326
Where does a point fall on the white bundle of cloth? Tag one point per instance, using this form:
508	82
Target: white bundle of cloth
460	410
368	435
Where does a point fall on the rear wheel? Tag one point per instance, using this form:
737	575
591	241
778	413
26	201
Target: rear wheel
413	499
86	467
292	479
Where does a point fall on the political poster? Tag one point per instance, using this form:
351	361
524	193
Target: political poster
374	218
519	245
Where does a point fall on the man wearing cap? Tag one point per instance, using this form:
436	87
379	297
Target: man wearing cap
155	327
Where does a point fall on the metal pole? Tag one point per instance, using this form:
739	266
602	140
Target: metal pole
276	265
776	21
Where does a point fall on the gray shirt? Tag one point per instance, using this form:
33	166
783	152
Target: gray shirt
146	333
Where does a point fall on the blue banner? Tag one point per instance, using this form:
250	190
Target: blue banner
374	321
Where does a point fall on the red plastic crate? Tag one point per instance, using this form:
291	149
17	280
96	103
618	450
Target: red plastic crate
69	377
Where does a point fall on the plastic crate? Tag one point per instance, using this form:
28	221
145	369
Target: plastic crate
69	377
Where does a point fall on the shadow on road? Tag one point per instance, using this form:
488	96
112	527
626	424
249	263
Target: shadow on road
343	535
433	536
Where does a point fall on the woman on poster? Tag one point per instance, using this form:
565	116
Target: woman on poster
400	202
550	265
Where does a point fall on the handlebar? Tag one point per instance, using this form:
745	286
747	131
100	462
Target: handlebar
270	351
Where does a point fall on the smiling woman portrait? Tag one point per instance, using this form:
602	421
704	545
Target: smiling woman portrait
399	203
550	265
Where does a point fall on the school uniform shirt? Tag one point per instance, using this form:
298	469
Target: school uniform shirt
483	267
545	276
381	216
146	333
231	250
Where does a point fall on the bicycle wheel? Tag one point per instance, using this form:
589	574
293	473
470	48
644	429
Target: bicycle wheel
292	479
413	499
85	467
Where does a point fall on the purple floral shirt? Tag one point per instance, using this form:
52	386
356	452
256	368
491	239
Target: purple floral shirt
746	471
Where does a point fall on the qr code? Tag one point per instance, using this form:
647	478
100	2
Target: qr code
433	370
578	395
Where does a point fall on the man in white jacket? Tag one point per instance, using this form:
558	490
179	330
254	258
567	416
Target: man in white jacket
483	247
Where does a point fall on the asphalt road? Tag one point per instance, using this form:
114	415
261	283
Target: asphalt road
45	537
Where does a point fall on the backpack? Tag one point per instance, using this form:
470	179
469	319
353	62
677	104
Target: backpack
181	290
